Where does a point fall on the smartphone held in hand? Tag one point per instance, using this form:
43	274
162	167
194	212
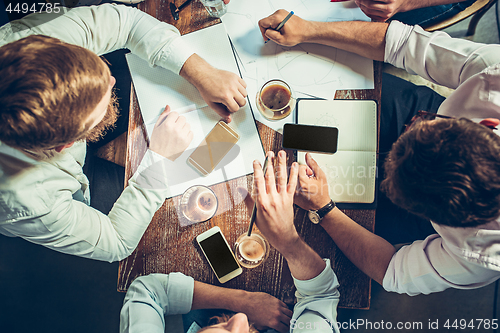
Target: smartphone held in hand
320	139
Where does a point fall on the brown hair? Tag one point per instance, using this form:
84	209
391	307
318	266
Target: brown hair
47	91
447	171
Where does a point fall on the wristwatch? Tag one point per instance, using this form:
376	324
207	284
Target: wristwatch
317	215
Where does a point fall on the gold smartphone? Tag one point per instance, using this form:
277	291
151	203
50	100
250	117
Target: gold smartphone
213	148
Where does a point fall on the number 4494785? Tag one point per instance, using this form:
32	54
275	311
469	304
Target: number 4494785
33	8
473	324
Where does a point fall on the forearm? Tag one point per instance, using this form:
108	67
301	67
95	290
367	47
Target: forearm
304	262
364	38
207	296
369	252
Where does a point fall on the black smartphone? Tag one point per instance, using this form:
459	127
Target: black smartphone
321	139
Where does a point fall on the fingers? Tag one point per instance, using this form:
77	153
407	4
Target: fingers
221	110
376	10
273	35
280	327
163	115
271	22
258	179
235	99
282	183
282	172
292	180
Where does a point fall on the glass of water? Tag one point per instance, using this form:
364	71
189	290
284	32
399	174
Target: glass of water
216	8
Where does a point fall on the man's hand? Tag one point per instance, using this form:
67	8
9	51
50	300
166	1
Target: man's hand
263	310
275	217
312	190
266	311
292	33
382	10
171	135
224	92
275	202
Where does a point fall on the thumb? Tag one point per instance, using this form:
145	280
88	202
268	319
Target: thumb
247	198
311	163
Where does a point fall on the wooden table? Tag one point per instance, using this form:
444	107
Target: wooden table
166	247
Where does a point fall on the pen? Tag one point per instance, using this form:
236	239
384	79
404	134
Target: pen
278	28
254	210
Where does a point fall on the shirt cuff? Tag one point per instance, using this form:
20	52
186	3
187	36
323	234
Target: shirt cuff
317	284
152	172
175	55
396	39
180	290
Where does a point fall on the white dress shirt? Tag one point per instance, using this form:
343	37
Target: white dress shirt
463	258
37	197
150	298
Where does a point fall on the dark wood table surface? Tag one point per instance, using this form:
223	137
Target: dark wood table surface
166	247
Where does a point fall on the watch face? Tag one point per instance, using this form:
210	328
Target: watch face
314	217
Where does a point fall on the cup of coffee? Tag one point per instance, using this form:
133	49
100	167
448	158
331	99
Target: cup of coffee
275	100
198	204
251	251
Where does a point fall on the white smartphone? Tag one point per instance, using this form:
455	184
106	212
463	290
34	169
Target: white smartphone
219	254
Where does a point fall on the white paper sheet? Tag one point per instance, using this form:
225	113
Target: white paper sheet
311	70
157	87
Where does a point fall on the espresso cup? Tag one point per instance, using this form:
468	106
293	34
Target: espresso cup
275	100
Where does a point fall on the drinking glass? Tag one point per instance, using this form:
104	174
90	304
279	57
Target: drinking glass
275	100
216	8
251	251
198	204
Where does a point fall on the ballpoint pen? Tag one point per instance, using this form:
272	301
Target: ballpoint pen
254	210
278	28
175	10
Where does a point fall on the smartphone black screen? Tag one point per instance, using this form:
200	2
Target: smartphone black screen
219	255
310	138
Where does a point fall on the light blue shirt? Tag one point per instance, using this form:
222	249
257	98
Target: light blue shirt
154	296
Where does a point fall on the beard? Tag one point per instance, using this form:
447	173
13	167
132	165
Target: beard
107	123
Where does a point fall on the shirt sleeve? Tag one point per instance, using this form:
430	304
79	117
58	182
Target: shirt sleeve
429	266
317	301
74	228
150	298
436	56
105	28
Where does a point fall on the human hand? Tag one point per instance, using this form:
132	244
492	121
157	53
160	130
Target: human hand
266	311
224	92
312	190
275	202
292	33
382	10
171	135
